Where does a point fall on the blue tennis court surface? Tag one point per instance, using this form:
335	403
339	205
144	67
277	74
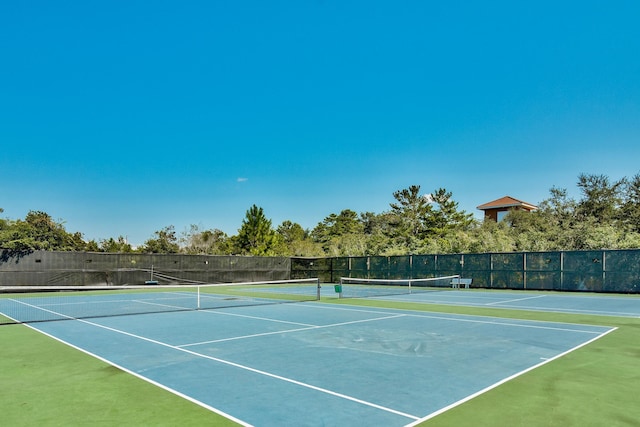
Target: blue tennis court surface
591	304
316	364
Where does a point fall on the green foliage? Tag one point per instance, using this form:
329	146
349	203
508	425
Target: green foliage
38	231
606	216
256	237
291	232
410	213
446	217
629	214
165	242
601	198
340	234
426	223
296	241
92	246
207	242
492	236
118	245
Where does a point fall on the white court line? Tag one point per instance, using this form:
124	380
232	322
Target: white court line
333	325
224	313
491	387
573	311
82	301
561	310
514	300
472	319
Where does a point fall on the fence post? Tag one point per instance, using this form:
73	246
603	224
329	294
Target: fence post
524	270
561	270
491	271
411	276
604	270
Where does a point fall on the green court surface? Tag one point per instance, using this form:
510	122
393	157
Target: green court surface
46	382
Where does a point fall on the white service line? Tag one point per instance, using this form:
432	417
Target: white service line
514	300
268	319
291	330
532	324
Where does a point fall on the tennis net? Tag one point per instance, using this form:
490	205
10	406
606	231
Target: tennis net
40	304
351	287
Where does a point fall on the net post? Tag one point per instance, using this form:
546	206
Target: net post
409	285
198	297
318	283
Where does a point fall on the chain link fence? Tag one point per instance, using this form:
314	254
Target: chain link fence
50	268
595	271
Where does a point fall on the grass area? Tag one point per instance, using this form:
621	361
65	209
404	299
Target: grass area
46	383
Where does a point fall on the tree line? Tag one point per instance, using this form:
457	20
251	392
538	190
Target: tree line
606	216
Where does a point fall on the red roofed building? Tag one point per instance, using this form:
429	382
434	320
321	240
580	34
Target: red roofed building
497	209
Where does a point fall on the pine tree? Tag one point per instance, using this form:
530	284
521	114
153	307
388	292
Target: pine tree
256	237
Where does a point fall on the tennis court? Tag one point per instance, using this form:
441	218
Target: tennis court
315	363
591	304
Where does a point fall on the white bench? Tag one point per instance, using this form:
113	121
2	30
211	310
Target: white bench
459	281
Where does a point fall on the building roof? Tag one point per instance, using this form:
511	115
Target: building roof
507	202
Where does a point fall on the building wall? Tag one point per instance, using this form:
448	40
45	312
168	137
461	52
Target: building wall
492	214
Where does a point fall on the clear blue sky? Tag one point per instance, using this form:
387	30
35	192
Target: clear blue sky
123	117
